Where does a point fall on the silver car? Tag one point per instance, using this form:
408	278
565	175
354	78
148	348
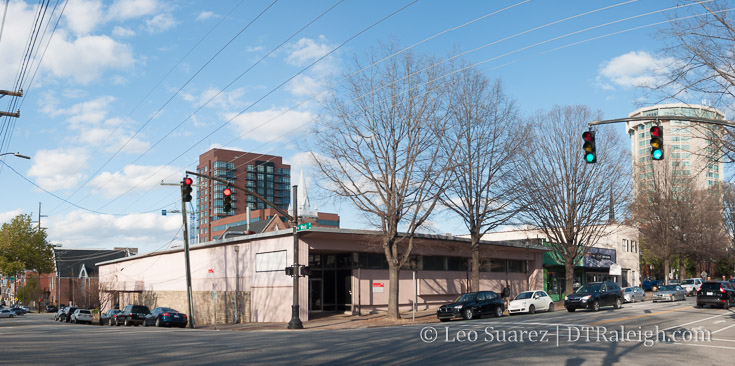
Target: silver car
670	293
692	285
633	294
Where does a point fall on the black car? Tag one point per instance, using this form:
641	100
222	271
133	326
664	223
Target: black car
66	312
165	317
595	295
51	308
132	315
471	305
716	293
109	317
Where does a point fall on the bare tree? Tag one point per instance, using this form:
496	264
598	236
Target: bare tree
487	126
380	148
566	198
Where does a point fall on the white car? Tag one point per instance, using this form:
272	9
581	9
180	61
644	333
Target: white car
530	302
81	316
5	313
692	285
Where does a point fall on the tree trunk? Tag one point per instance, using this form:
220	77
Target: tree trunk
667	269
475	267
569	276
682	269
393	312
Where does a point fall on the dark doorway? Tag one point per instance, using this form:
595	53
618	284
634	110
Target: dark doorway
330	282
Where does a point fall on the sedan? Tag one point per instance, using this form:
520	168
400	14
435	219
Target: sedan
633	294
472	305
109	317
670	293
165	317
5	313
81	316
530	302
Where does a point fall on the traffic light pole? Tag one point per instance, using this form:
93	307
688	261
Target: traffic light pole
186	256
295	322
720	122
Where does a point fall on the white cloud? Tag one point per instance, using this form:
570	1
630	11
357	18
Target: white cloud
206	15
58	169
7	216
304	85
17	27
82	16
122	32
225	100
137	177
307	50
127	9
254	49
147	232
86	58
269	124
90	112
633	69
160	23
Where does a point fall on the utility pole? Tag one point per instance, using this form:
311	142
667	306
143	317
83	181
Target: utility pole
186	256
14	94
295	322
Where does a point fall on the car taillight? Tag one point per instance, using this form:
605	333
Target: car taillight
166	314
722	289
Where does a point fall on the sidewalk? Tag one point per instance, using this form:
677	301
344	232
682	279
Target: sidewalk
336	321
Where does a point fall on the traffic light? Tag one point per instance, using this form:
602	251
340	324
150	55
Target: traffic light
305	270
657	143
289	271
186	193
590	150
228	199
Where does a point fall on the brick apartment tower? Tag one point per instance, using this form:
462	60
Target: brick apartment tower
263	174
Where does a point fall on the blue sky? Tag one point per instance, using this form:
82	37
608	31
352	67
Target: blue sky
126	94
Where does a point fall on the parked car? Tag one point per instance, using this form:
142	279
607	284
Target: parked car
530	302
51	308
595	295
66	313
716	293
18	310
165	317
650	284
633	294
692	285
674	282
81	316
132	315
109	317
58	314
6	313
670	293
471	305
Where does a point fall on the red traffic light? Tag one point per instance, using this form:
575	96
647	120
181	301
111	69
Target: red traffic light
227	192
188	181
656	131
587	136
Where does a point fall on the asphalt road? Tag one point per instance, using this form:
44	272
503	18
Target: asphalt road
639	334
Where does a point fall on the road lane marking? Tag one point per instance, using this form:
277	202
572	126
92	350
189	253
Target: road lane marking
703	345
719	321
636	316
720	330
696	321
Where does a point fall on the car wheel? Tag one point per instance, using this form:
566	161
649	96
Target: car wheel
499	312
571	310
158	322
596	306
127	322
617	304
699	306
551	308
443	320
73	321
109	322
467	314
532	309
726	305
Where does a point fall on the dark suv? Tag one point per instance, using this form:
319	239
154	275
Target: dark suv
472	305
716	293
132	315
595	295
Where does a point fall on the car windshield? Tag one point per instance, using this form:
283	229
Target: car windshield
84	312
711	286
140	309
524	295
629	289
594	287
465	298
163	310
667	288
688	282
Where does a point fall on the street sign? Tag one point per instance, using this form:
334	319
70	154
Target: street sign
303	227
163	212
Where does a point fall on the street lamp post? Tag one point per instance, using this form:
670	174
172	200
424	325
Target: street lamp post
17	154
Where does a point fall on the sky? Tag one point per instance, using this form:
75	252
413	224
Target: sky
122	95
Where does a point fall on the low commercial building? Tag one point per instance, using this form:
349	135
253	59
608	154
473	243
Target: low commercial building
244	275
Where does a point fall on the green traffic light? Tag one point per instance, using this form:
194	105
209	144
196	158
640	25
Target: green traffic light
657	154
590	158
